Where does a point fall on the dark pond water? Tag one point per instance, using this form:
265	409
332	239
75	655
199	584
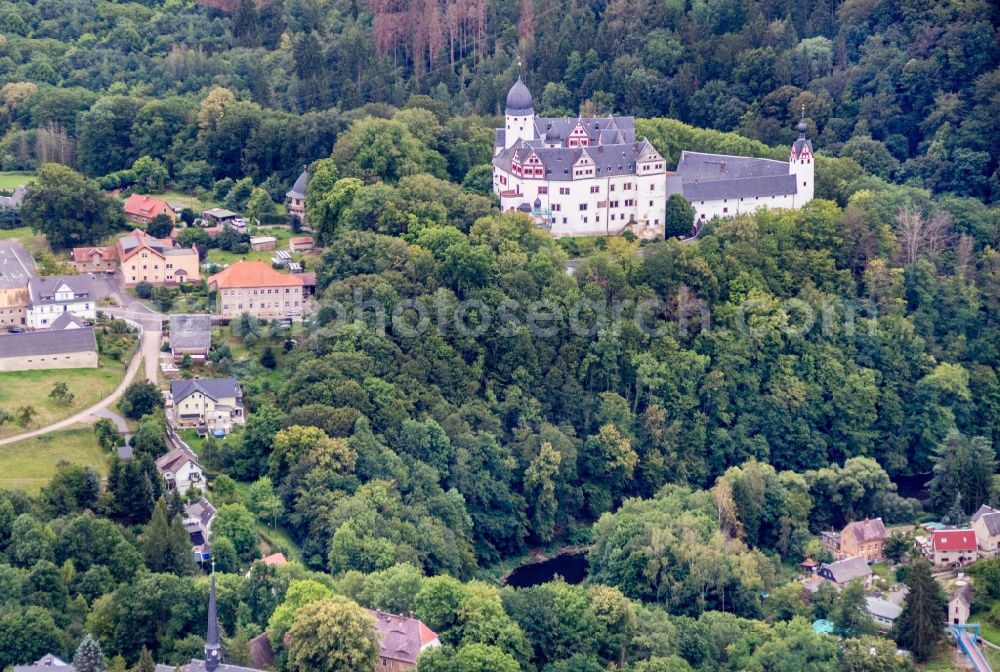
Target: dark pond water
570	566
913	485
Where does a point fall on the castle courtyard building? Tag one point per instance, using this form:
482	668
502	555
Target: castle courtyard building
587	176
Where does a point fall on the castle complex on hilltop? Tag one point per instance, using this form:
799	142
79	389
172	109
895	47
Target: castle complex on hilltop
590	176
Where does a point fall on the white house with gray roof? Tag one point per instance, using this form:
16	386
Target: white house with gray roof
215	403
986	523
587	176
720	185
51	296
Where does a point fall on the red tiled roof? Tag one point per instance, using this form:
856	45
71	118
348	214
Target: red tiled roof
243	274
301	240
83	254
955	540
141	205
275	559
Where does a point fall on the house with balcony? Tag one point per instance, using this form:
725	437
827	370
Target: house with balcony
213	403
181	470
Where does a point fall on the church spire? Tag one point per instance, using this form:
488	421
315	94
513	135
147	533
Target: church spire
213	648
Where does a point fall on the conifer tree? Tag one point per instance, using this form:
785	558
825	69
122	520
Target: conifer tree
145	663
89	657
919	627
166	545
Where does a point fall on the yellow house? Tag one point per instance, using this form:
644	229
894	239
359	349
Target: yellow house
214	403
147	259
865	539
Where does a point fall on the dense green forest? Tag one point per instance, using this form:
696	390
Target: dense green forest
693	413
909	89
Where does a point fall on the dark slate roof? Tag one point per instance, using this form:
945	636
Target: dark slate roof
963	594
402	638
191	332
992	522
609	160
982	511
698	167
711	177
67	320
801	144
59	342
298	189
751	187
214	388
847	569
603	129
43	290
519	99
202	510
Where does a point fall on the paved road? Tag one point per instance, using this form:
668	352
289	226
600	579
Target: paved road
90	415
16	265
148	352
152	324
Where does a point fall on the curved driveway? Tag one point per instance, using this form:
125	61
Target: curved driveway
149	351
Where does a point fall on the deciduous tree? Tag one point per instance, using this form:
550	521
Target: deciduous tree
332	635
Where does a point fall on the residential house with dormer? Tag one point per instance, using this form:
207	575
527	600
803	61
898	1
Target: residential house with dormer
181	470
143	258
954	547
141	209
402	639
214	403
51	296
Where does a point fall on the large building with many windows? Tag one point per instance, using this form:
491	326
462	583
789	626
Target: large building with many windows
722	185
587	176
254	287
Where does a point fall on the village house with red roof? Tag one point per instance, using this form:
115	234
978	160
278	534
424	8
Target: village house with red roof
141	209
256	288
954	546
